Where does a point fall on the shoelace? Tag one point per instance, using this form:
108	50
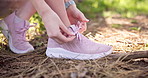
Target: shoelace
76	29
23	30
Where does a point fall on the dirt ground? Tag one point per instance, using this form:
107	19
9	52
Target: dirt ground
124	34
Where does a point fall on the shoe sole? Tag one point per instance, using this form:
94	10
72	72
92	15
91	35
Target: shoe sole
62	53
5	31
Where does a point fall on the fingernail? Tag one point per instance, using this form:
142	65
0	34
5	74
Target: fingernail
86	20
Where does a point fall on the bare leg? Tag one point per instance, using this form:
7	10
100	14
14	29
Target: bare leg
59	7
52	21
26	10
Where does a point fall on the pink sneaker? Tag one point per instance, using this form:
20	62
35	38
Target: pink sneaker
14	29
80	48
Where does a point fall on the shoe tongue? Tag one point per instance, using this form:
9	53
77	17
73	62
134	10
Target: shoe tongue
17	19
20	23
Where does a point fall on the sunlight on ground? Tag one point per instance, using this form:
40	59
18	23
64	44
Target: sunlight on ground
122	41
121	37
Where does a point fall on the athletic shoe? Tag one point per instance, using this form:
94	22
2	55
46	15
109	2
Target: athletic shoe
81	48
14	29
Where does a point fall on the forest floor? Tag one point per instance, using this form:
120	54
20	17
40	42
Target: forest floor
124	34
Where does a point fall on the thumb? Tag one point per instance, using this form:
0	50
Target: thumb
66	30
82	18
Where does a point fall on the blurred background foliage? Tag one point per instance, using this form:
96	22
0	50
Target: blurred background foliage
127	8
106	8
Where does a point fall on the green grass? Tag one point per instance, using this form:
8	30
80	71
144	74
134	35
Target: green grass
116	25
135	28
134	21
1	29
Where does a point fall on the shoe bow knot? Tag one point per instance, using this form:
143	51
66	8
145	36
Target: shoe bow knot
75	29
23	30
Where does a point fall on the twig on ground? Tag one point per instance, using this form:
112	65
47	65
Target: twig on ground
57	68
128	56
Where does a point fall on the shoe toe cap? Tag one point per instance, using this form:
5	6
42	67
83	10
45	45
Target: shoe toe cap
24	48
104	48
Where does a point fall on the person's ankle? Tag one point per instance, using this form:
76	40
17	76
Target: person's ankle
18	19
21	15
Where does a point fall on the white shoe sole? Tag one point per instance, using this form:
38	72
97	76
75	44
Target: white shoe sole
62	53
5	31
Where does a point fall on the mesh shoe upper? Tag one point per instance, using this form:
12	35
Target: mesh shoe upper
17	31
80	44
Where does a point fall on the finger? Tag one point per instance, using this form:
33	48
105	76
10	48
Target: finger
58	41
65	30
54	37
82	18
64	39
82	26
82	30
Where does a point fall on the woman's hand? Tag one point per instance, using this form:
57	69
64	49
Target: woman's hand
55	27
75	16
52	22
